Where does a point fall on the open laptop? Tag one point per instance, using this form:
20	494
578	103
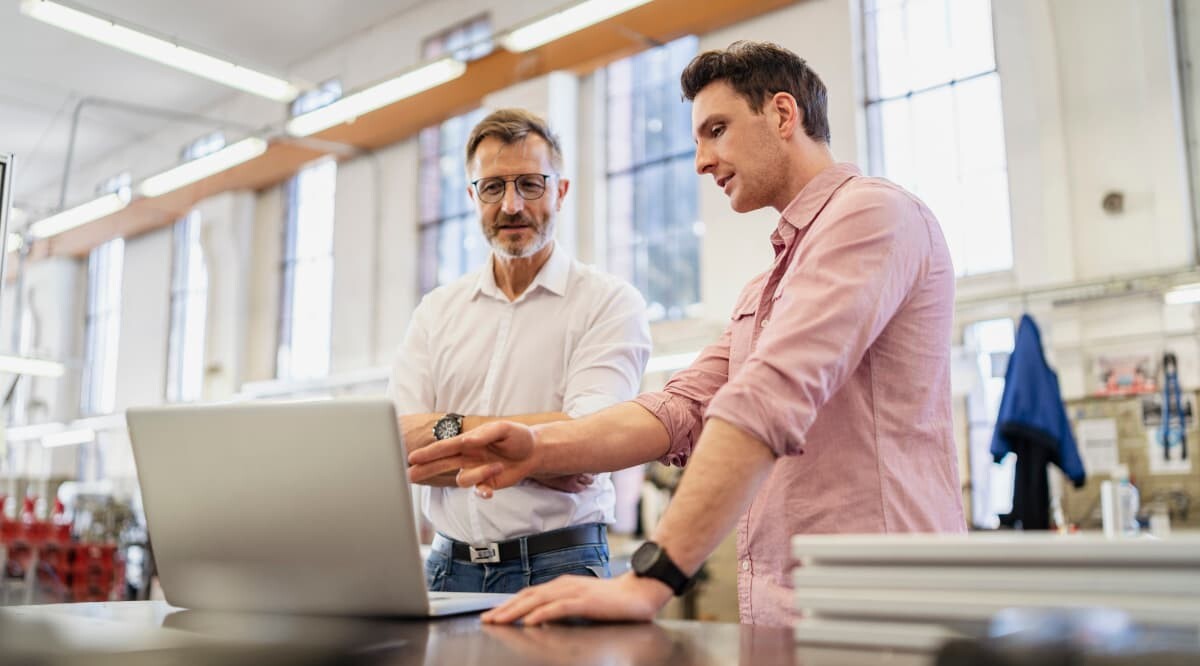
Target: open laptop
300	507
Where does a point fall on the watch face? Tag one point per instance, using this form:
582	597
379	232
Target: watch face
645	557
447	427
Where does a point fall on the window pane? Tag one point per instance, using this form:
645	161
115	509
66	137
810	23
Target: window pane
314	209
980	125
450	251
307	302
652	200
311	318
891	53
451	242
991	484
102	327
971	34
987	238
945	143
930	58
189	305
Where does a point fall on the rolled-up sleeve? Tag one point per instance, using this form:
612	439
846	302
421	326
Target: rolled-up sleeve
681	404
846	279
607	365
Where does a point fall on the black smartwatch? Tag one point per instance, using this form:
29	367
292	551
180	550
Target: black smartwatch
651	561
448	426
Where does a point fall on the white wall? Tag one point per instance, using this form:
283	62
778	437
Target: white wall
1092	104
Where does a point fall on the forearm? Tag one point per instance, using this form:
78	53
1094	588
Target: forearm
418	433
725	472
418	428
621	436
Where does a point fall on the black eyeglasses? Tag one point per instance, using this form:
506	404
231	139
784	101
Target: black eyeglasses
529	186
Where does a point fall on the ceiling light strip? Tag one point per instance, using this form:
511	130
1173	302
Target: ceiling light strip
79	215
377	96
201	168
1184	294
563	23
69	437
159	50
20	365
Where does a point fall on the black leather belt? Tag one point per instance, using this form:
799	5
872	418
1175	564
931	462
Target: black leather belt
535	544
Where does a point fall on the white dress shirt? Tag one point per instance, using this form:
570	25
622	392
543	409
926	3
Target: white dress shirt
576	341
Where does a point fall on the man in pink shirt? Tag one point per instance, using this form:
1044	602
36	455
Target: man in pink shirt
823	408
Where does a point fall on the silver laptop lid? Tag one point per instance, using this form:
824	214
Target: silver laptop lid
285	507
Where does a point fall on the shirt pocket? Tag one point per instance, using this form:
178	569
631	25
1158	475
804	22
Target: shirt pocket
741	333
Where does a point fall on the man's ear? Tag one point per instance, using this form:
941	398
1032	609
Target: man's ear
564	185
788	112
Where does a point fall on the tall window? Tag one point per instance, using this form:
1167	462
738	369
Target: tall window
935	121
102	328
306	312
654	230
189	293
189	307
992	342
451	243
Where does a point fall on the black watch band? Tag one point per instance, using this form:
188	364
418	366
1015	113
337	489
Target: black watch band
651	561
448	426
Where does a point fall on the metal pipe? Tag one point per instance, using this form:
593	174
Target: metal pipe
129	107
1186	92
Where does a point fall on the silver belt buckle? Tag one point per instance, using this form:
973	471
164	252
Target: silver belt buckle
485	554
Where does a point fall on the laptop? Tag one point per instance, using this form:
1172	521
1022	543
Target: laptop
299	507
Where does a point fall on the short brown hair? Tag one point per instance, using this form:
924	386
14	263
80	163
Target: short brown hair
758	70
512	126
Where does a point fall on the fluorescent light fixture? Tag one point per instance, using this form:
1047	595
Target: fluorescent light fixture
393	90
13	242
564	23
1183	294
26	433
79	215
69	437
190	172
101	423
159	50
36	367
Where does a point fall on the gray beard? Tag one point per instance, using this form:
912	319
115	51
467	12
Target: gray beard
511	252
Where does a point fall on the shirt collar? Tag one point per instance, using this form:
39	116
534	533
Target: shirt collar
812	199
552	277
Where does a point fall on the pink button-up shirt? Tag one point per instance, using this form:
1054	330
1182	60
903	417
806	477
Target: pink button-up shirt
838	359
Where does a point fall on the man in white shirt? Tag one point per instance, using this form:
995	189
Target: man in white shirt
534	337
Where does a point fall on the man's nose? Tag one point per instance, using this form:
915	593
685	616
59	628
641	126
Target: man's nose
704	160
512	202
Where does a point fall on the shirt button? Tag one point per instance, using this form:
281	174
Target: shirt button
764	323
745	565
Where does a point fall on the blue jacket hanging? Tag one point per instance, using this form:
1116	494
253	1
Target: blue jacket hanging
1032	408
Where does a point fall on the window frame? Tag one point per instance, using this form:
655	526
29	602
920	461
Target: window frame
186	339
643	243
102	328
873	104
297	265
440	226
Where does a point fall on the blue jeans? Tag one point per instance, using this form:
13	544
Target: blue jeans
444	574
